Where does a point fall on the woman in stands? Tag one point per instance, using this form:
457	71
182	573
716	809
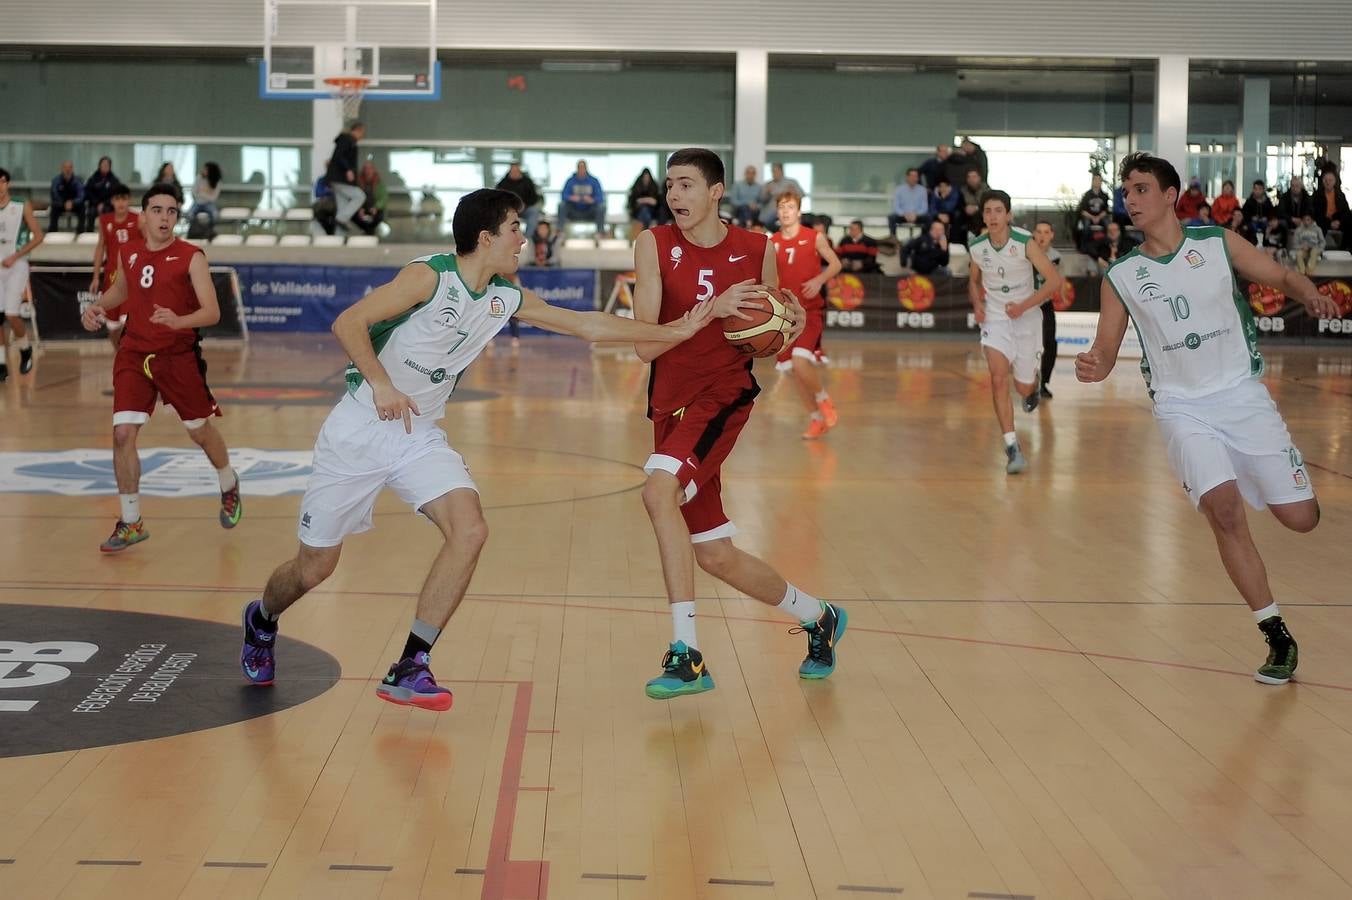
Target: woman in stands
372	211
206	191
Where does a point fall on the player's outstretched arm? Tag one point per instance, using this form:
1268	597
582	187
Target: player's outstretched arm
208	310
414	284
1257	266
600	326
1095	364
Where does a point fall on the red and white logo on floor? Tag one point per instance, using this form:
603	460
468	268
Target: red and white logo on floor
165	472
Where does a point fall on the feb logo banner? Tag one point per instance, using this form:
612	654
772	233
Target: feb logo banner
165	472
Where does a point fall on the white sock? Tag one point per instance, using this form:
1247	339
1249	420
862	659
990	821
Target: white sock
1011	439
1266	612
802	606
818	416
821	395
131	508
227	478
23	343
683	623
262	608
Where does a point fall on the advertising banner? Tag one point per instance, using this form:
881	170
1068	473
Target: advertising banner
61	293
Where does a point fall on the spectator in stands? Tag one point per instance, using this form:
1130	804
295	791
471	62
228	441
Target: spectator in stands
744	198
1120	214
375	197
542	244
1330	207
1114	245
342	174
516	181
645	199
1226	203
1292	205
323	204
1190	201
68	197
583	200
1203	216
778	184
1240	226
1310	243
944	205
1095	213
910	204
858	252
976	157
167	175
1261	214
972	189
206	192
928	253
99	189
934	168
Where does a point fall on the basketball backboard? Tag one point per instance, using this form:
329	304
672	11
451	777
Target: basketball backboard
391	43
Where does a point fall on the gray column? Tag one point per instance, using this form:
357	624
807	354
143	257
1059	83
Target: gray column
1171	112
753	81
1253	132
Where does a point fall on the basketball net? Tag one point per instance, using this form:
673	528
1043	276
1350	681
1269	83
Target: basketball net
349	89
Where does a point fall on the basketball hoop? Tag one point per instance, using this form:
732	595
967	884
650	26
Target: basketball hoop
349	89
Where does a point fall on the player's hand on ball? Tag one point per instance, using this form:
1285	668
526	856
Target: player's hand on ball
392	404
1090	366
93	317
742	295
796	315
166	317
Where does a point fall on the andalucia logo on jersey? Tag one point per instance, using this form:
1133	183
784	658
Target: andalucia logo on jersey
1195	258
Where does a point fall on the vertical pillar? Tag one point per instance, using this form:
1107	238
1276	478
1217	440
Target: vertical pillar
326	116
753	82
1171	111
1253	133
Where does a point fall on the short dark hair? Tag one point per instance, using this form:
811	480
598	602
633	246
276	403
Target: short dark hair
987	196
1229	182
1257	182
353	124
859	222
4	173
709	163
912	169
479	211
1202	206
163	188
1163	170
120	190
1044	222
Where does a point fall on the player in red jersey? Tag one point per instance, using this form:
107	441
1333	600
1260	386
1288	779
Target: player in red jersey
168	294
699	397
116	229
799	254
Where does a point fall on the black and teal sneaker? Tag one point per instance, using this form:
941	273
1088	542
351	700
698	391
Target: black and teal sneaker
683	672
822	637
1282	653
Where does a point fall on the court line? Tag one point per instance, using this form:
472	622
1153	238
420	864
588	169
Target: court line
501	872
234	865
614	876
740	882
869	889
339	867
108	862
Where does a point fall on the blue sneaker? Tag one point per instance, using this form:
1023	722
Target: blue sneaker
256	658
822	637
410	683
683	672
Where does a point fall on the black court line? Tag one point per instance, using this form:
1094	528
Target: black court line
741	882
869	889
108	862
612	876
234	865
6	862
469	871
347	868
982	895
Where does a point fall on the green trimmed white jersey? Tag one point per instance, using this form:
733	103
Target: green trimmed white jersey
1006	272
427	348
1196	329
13	229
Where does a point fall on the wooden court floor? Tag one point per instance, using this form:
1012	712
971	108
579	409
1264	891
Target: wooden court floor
1045	689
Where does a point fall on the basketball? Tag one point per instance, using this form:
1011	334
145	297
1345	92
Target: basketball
764	333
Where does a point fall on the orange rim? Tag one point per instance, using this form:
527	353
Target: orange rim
347	83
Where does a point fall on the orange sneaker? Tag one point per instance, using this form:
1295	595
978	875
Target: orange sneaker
815	429
828	411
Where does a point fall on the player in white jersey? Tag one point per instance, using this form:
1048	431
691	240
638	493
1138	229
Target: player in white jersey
19	236
1006	304
409	341
1225	439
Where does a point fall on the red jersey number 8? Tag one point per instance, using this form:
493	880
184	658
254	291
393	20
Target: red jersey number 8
706	285
147	276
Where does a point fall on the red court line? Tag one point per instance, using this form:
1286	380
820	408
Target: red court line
506	878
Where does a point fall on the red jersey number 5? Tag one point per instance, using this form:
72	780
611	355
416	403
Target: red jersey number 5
706	285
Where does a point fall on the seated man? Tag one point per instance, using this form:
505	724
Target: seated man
910	204
1095	213
928	253
944	205
583	200
858	252
1115	245
68	198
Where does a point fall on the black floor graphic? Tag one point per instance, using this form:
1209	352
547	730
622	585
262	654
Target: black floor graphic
75	678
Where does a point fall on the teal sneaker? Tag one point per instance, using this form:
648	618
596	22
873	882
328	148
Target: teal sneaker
683	672
822	637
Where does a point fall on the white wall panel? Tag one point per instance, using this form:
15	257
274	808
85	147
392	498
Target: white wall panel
1212	29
